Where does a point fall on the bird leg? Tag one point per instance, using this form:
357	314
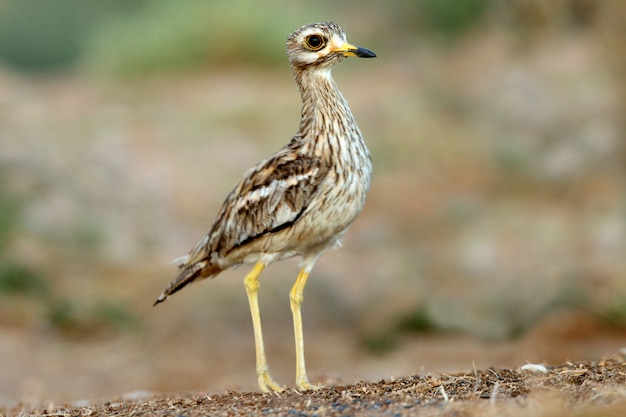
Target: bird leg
251	282
296	297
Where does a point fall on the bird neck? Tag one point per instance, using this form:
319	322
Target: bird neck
317	85
321	101
327	127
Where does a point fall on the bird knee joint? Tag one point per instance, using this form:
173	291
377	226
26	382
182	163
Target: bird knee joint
296	297
252	285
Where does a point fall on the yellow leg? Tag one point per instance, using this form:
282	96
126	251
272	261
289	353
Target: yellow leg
252	289
296	297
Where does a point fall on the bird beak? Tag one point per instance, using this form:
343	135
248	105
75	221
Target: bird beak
350	50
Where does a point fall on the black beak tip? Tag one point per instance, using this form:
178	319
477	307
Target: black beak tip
364	53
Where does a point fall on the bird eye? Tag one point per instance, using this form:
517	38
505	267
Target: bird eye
314	42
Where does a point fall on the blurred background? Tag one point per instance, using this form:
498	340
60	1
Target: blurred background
494	233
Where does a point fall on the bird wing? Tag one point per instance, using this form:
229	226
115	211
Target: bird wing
269	198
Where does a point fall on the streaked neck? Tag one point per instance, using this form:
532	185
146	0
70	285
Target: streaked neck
321	100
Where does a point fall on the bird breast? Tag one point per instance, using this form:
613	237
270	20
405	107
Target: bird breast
341	195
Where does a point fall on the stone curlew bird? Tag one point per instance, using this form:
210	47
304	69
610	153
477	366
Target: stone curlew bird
299	201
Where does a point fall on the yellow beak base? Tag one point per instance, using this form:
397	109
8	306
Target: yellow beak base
350	50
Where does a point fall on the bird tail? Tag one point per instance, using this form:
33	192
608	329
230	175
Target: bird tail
187	275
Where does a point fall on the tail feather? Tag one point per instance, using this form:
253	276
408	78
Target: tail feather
186	276
181	261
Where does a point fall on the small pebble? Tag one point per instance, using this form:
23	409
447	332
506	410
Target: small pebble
532	367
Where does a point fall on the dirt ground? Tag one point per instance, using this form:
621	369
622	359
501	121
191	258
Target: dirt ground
583	388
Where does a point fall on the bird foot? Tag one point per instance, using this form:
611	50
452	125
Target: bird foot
306	385
267	384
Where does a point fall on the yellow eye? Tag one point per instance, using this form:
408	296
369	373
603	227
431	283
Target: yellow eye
314	42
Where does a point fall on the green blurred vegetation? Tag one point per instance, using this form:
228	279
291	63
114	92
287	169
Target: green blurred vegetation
39	36
165	35
124	38
16	278
615	312
137	37
384	341
121	37
10	207
450	18
100	317
25	290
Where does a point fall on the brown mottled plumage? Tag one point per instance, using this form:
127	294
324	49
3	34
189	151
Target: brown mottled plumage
299	201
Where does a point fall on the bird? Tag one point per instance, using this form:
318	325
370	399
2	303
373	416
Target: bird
297	202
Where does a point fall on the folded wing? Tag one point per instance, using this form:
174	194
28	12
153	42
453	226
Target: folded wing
269	198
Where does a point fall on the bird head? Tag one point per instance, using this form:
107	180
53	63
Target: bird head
321	45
